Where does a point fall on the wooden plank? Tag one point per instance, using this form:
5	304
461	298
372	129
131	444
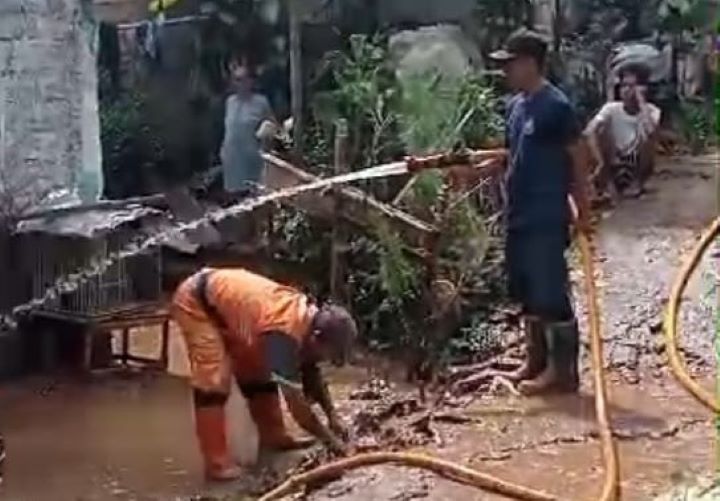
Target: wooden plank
144	360
358	207
165	345
88	336
132	318
125	346
131	324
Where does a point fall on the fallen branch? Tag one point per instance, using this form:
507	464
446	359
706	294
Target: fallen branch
446	469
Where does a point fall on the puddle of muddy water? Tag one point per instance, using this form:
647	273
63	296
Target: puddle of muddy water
129	439
118	437
123	436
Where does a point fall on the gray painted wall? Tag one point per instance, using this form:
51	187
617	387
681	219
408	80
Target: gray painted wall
49	126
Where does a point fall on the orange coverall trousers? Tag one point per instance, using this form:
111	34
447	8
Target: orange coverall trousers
225	344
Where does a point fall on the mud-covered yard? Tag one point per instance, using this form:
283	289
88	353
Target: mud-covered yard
665	437
132	438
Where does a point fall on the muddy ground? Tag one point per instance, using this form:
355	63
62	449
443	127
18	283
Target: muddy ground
131	438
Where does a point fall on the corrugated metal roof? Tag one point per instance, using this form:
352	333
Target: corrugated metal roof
85	224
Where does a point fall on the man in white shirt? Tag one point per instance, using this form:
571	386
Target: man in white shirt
622	136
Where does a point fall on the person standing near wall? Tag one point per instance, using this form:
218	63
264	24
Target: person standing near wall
544	166
249	123
245	112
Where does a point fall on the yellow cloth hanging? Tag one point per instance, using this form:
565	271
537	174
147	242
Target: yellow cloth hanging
161	5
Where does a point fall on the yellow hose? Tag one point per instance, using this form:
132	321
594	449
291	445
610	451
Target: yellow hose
671	318
453	471
611	483
443	468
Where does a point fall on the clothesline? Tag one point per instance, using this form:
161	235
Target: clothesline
174	20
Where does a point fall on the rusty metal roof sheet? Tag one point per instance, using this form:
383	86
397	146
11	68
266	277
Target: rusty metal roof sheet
85	224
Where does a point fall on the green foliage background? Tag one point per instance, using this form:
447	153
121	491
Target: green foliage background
387	119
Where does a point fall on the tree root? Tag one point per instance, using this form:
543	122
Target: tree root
489	379
501	381
507	360
424	426
446	469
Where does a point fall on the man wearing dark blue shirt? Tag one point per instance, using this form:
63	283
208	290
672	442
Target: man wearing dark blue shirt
544	167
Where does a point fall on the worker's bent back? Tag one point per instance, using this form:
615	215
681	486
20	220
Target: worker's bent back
223	313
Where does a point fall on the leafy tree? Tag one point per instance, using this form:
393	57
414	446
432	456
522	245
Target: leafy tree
499	18
686	16
388	118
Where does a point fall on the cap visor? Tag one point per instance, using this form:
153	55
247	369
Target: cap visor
502	55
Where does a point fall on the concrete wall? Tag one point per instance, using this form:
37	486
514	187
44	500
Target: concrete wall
49	127
423	11
120	11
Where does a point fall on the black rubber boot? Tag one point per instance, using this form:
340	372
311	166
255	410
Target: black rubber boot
561	374
536	351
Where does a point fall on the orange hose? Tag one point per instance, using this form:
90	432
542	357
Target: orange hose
671	318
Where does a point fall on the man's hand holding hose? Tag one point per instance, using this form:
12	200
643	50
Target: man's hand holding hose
482	165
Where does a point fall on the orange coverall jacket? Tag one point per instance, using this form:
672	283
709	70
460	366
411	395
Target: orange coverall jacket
249	306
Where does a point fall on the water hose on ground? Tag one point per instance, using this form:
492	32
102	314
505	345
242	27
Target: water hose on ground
611	483
447	469
671	318
459	473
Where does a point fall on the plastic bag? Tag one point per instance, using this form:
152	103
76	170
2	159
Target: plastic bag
641	53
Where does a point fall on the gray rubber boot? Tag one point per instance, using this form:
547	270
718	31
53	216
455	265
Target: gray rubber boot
536	351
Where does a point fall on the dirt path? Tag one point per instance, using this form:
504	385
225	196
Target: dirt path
132	439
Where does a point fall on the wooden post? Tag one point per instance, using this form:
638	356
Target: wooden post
557	27
164	345
296	78
88	338
338	288
125	347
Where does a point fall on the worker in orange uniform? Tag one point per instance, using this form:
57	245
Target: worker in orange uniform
269	337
